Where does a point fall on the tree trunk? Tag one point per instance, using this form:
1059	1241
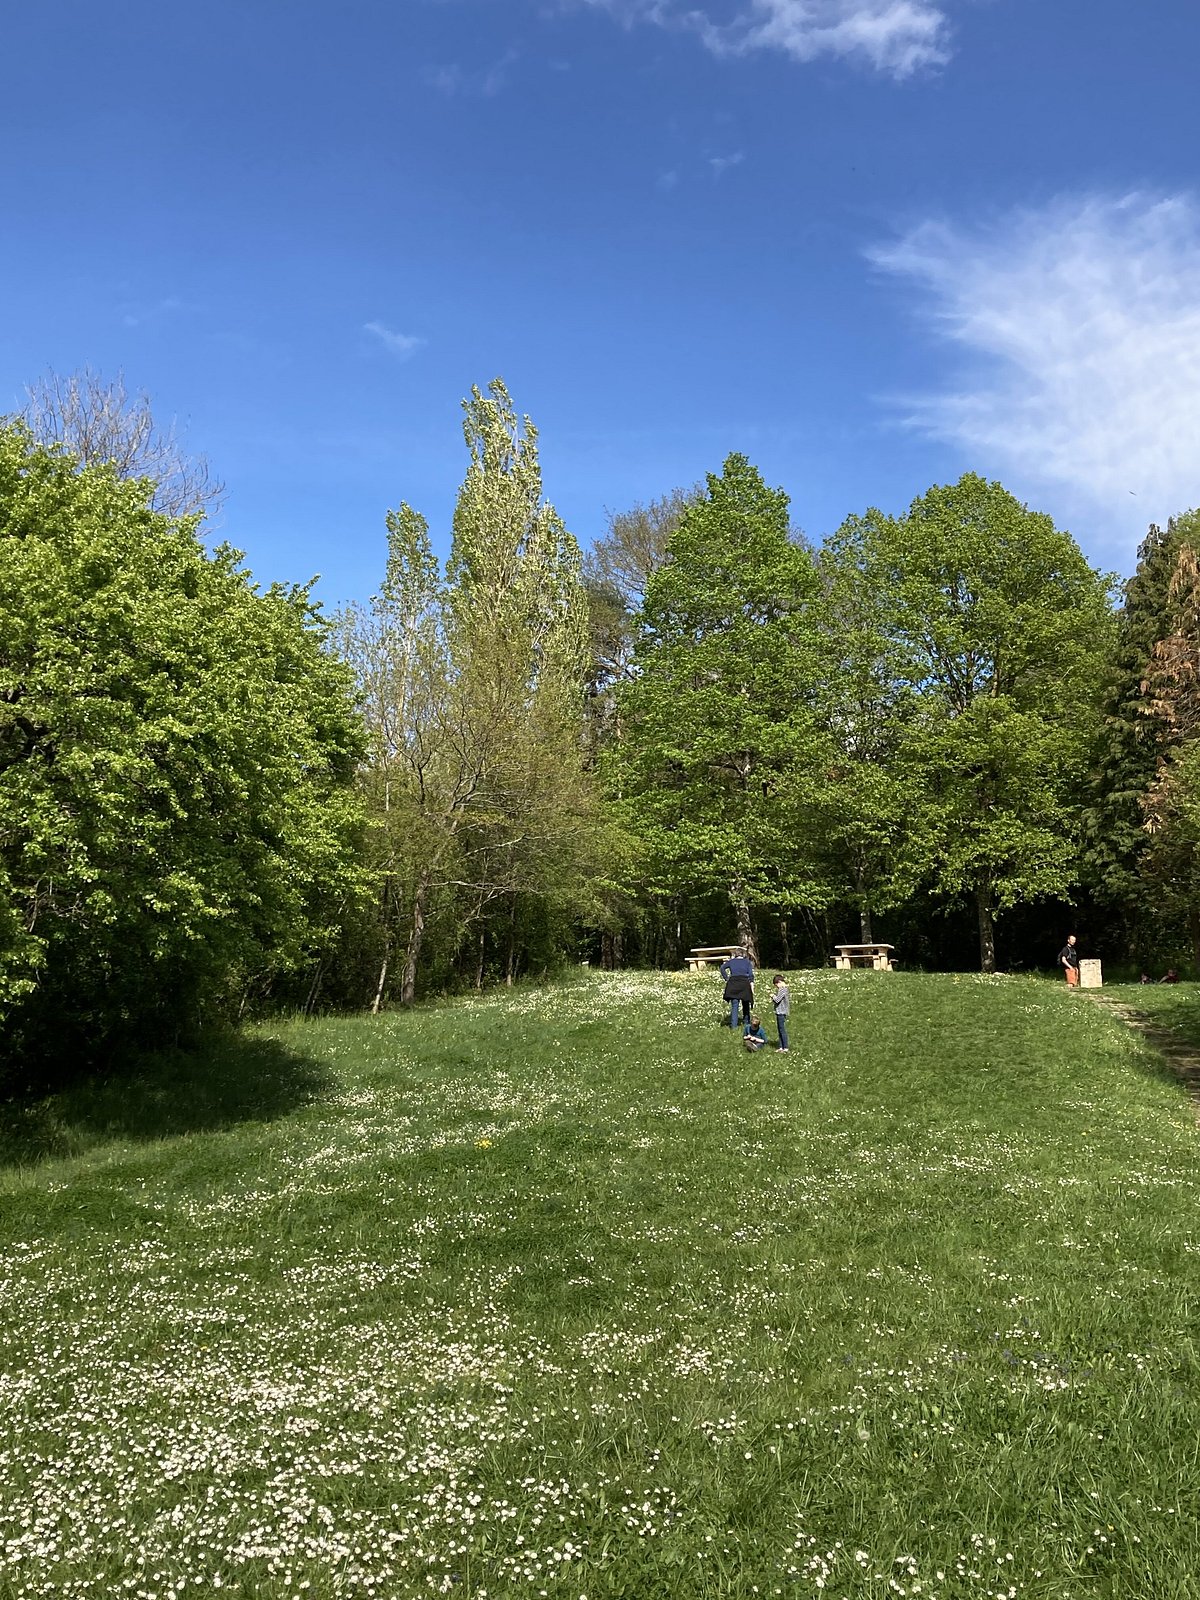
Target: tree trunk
745	928
378	1000
987	929
479	965
314	989
510	960
416	936
1194	930
786	942
864	922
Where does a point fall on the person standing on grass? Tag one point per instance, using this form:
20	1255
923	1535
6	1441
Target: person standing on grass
781	1003
1068	960
739	986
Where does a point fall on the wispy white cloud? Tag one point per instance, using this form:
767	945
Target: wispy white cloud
722	164
455	79
401	345
896	37
140	314
1080	323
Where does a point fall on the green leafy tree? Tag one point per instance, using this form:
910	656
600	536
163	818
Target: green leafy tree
1005	629
480	802
715	770
177	750
1171	804
865	703
1133	742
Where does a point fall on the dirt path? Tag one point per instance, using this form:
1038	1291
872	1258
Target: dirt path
1182	1058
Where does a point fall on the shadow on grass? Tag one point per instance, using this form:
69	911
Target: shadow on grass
227	1080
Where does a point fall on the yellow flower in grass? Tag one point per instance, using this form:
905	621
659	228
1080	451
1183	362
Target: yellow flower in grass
483	1144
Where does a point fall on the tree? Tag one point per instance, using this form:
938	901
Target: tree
866	704
1133	739
100	423
396	648
473	686
177	752
1004	628
616	571
1171	804
720	737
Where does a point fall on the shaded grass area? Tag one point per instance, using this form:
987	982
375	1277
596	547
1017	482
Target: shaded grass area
232	1078
561	1292
1173	1005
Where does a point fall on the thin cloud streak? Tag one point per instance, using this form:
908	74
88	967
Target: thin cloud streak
1081	322
401	345
895	37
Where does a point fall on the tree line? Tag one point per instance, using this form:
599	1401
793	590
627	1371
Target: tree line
944	726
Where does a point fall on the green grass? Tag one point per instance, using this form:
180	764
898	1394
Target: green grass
561	1293
1172	1005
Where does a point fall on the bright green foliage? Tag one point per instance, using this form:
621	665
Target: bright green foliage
397	649
866	704
721	745
175	754
1002	626
483	816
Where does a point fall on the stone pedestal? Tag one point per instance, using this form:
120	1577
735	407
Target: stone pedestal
1089	975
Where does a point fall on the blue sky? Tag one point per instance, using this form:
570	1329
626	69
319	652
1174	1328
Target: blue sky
871	243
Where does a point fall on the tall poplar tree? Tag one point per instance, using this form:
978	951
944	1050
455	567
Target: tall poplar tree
473	684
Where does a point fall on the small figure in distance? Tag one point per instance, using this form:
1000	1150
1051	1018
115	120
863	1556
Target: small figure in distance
1145	977
753	1037
781	1002
1068	959
1170	976
739	986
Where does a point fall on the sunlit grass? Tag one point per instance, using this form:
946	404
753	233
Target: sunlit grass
562	1293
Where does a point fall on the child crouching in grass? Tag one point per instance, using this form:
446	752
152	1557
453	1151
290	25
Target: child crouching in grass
753	1036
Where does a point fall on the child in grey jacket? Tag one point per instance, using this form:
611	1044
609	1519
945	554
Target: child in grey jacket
781	1002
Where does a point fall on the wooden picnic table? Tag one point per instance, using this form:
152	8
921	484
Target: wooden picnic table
710	955
878	956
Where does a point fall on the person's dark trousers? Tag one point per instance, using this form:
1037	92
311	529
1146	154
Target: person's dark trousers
734	1006
781	1024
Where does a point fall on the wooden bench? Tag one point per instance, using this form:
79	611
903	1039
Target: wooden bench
878	956
710	955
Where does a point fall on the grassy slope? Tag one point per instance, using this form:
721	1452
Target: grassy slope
561	1293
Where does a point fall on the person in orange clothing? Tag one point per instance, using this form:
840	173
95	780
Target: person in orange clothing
1068	958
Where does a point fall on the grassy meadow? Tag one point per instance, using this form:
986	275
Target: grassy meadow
559	1293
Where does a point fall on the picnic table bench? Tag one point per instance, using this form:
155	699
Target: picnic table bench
878	956
710	955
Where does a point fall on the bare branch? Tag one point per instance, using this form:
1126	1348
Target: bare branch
101	422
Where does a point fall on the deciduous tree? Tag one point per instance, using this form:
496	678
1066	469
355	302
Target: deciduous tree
1005	628
715	769
177	751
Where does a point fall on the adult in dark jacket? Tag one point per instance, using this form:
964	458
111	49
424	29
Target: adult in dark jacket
739	987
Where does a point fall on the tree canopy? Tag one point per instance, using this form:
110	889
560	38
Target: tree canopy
176	754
